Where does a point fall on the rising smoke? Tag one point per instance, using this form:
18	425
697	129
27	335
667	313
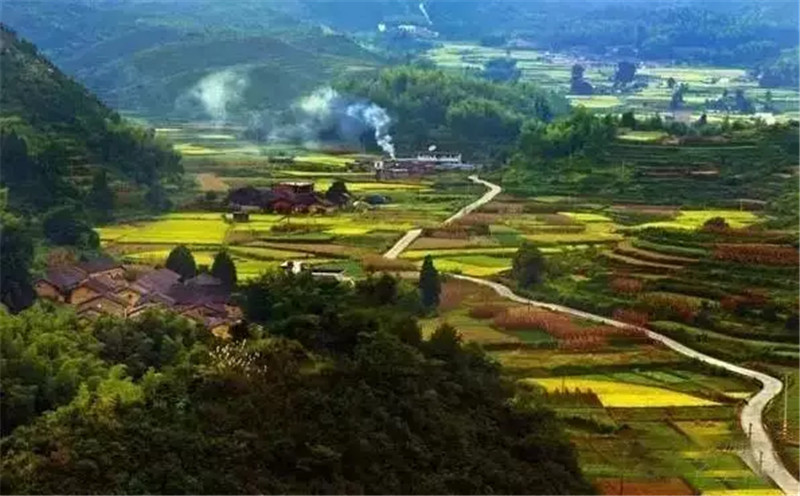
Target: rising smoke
216	94
323	116
425	12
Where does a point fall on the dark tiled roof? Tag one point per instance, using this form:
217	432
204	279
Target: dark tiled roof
104	284
99	264
198	295
203	279
160	280
65	278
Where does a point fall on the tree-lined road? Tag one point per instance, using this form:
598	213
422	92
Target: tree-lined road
760	447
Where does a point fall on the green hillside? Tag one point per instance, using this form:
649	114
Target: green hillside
56	133
148	60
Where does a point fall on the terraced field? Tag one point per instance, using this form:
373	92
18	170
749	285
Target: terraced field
554	71
638	413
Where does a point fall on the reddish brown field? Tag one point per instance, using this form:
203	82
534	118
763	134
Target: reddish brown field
756	253
626	285
672	486
570	336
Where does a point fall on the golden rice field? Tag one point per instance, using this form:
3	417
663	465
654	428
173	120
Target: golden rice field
623	395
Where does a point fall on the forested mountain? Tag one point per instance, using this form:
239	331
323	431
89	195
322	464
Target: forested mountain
63	154
152	57
56	134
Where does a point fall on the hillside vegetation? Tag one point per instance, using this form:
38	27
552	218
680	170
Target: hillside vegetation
149	59
455	112
67	160
340	395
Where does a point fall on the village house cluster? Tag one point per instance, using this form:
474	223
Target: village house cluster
102	286
283	198
419	165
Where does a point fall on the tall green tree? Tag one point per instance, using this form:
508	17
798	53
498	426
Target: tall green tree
181	261
224	269
67	225
101	198
429	285
16	248
528	265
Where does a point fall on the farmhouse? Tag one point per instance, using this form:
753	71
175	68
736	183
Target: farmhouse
298	267
421	164
100	287
284	198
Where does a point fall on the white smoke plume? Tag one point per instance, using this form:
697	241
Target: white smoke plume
377	119
218	92
325	115
425	12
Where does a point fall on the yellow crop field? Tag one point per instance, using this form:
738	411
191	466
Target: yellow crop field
706	433
449	265
692	219
175	231
348	231
586	217
190	149
623	395
325	159
367	186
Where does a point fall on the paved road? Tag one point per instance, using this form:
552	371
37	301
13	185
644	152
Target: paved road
760	442
402	243
494	190
413	234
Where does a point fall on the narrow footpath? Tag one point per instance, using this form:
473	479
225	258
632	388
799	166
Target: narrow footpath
760	447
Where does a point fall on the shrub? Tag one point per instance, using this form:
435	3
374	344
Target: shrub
626	285
528	266
715	224
670	306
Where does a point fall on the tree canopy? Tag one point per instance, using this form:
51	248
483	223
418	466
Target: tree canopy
116	406
480	118
181	261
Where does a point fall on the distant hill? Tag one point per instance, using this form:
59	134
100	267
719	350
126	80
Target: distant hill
149	58
742	33
56	135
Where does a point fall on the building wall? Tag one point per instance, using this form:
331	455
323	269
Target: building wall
46	290
130	296
81	294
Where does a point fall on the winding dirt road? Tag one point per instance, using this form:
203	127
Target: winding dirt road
760	447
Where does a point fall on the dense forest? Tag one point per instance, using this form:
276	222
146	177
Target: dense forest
455	112
332	390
